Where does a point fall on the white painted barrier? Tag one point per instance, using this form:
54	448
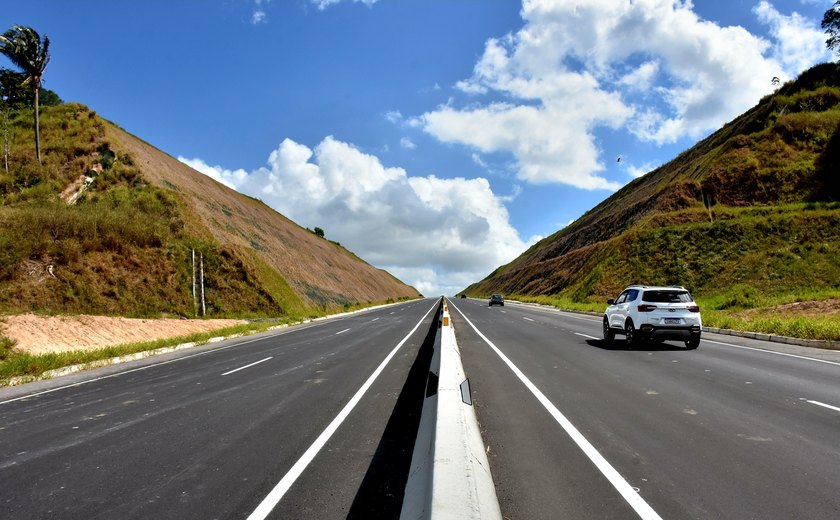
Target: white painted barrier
450	475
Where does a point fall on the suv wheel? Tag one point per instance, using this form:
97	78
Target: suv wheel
693	343
609	334
631	334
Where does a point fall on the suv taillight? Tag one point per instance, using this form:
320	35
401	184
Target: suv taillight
693	308
646	307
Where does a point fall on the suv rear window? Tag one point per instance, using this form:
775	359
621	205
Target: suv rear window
666	296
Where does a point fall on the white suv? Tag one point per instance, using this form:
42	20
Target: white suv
658	313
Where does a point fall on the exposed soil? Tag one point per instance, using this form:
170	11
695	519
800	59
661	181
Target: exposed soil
826	308
35	334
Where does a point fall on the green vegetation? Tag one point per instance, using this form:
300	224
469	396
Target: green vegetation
25	48
16	95
748	219
831	25
806	327
18	364
6	346
123	247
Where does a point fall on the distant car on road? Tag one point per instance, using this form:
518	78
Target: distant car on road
497	299
643	313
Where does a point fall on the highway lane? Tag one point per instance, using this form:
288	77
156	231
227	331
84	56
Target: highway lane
720	432
209	434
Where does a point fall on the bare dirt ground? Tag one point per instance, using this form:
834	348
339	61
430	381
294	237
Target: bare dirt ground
35	334
827	308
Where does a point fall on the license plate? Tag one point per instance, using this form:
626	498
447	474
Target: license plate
672	321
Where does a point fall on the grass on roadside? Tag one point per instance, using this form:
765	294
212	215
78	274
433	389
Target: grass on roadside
561	302
795	326
805	327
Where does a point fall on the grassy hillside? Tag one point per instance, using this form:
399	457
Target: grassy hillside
106	225
749	217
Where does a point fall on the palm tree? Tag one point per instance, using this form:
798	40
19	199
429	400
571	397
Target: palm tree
831	24
24	47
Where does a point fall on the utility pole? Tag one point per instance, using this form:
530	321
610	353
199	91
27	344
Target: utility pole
5	132
194	294
201	260
707	202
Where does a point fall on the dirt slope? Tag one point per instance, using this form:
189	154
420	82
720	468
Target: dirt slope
319	272
35	334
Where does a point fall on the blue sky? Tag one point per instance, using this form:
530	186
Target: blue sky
436	139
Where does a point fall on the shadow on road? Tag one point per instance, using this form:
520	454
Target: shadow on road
383	487
651	346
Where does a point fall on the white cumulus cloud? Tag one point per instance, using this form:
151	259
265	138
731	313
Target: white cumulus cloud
798	40
653	67
436	234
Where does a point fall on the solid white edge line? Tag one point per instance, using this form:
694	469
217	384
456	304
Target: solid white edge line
190	356
772	352
248	366
835	408
341	332
634	499
275	495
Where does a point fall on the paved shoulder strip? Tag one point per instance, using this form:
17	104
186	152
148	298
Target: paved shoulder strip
273	498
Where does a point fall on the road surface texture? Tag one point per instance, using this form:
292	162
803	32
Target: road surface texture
726	431
210	433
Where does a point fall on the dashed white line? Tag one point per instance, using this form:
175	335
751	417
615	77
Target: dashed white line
835	408
634	499
146	367
273	498
341	332
586	335
374	319
529	319
248	366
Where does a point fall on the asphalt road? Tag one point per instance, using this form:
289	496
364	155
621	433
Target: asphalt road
592	430
210	433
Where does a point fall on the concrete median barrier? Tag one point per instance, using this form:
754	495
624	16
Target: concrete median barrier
450	475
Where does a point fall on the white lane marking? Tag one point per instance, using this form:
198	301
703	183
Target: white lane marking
374	319
529	319
635	500
273	498
835	408
503	312
109	376
554	311
586	335
773	352
341	332
248	366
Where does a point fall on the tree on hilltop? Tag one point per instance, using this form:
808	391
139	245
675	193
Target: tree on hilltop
25	49
18	95
831	24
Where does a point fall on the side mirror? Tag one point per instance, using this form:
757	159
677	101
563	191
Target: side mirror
610	302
